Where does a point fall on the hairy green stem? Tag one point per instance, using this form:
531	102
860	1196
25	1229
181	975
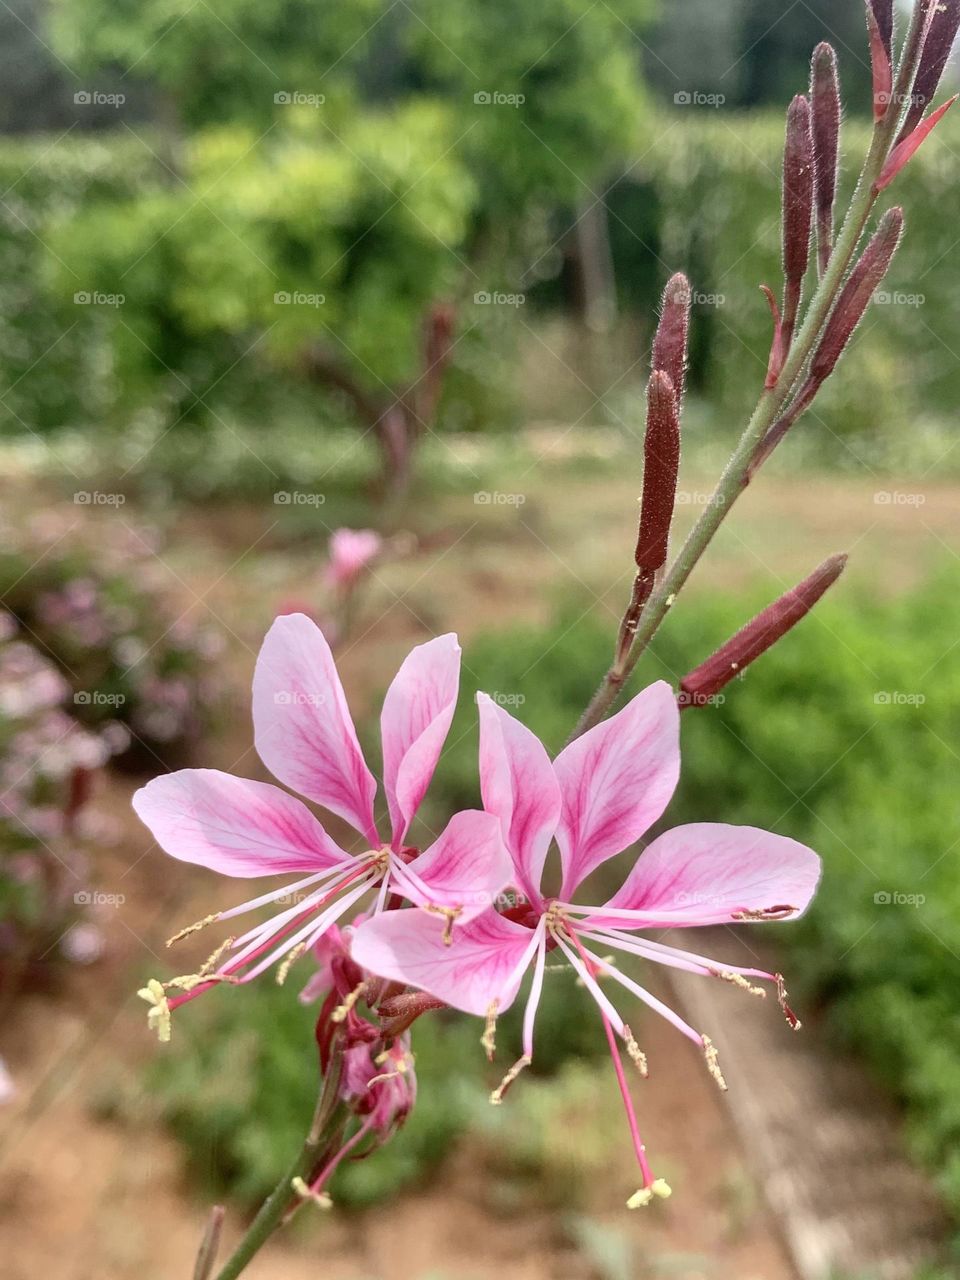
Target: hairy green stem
325	1119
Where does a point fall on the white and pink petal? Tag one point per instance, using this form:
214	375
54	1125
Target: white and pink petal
712	873
484	964
234	825
518	784
302	725
462	872
416	716
616	780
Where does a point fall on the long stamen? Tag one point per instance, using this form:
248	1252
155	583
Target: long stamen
651	1186
529	1014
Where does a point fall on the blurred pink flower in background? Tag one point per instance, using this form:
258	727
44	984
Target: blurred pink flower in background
351	552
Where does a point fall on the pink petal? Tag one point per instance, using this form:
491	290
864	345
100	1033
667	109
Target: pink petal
616	781
302	724
518	784
711	873
463	870
234	825
414	723
485	961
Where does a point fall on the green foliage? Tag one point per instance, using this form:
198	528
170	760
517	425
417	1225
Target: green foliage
846	737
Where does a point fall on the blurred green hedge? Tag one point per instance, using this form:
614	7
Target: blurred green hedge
111	215
847	737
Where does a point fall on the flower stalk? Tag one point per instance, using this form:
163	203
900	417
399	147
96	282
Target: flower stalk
773	400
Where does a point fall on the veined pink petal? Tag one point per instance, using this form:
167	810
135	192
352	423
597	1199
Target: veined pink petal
518	784
302	725
485	962
414	724
463	870
234	825
711	873
616	780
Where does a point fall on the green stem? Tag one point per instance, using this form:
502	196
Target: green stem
272	1210
735	475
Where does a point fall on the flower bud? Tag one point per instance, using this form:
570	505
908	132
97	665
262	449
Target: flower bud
797	209
825	113
661	463
855	295
670	340
902	152
941	33
880	29
757	636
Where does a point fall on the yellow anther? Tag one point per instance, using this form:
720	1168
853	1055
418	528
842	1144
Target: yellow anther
288	963
450	915
792	1019
158	1017
713	1063
192	928
738	980
636	1053
640	1199
187	981
319	1198
497	1096
489	1037
339	1014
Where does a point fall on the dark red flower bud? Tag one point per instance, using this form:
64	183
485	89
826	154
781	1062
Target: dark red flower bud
797	209
943	27
661	463
882	13
856	294
825	112
670	341
902	152
697	688
880	30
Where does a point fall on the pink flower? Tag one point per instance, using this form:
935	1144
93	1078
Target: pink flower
351	550
600	795
305	736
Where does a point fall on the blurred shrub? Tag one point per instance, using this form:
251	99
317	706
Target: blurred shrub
102	614
847	737
46	759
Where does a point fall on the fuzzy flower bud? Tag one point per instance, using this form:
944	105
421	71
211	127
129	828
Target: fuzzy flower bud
825	113
757	636
661	462
670	341
880	29
941	33
856	294
797	209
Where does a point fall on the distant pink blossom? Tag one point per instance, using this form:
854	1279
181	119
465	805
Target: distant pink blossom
599	796
351	551
304	734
